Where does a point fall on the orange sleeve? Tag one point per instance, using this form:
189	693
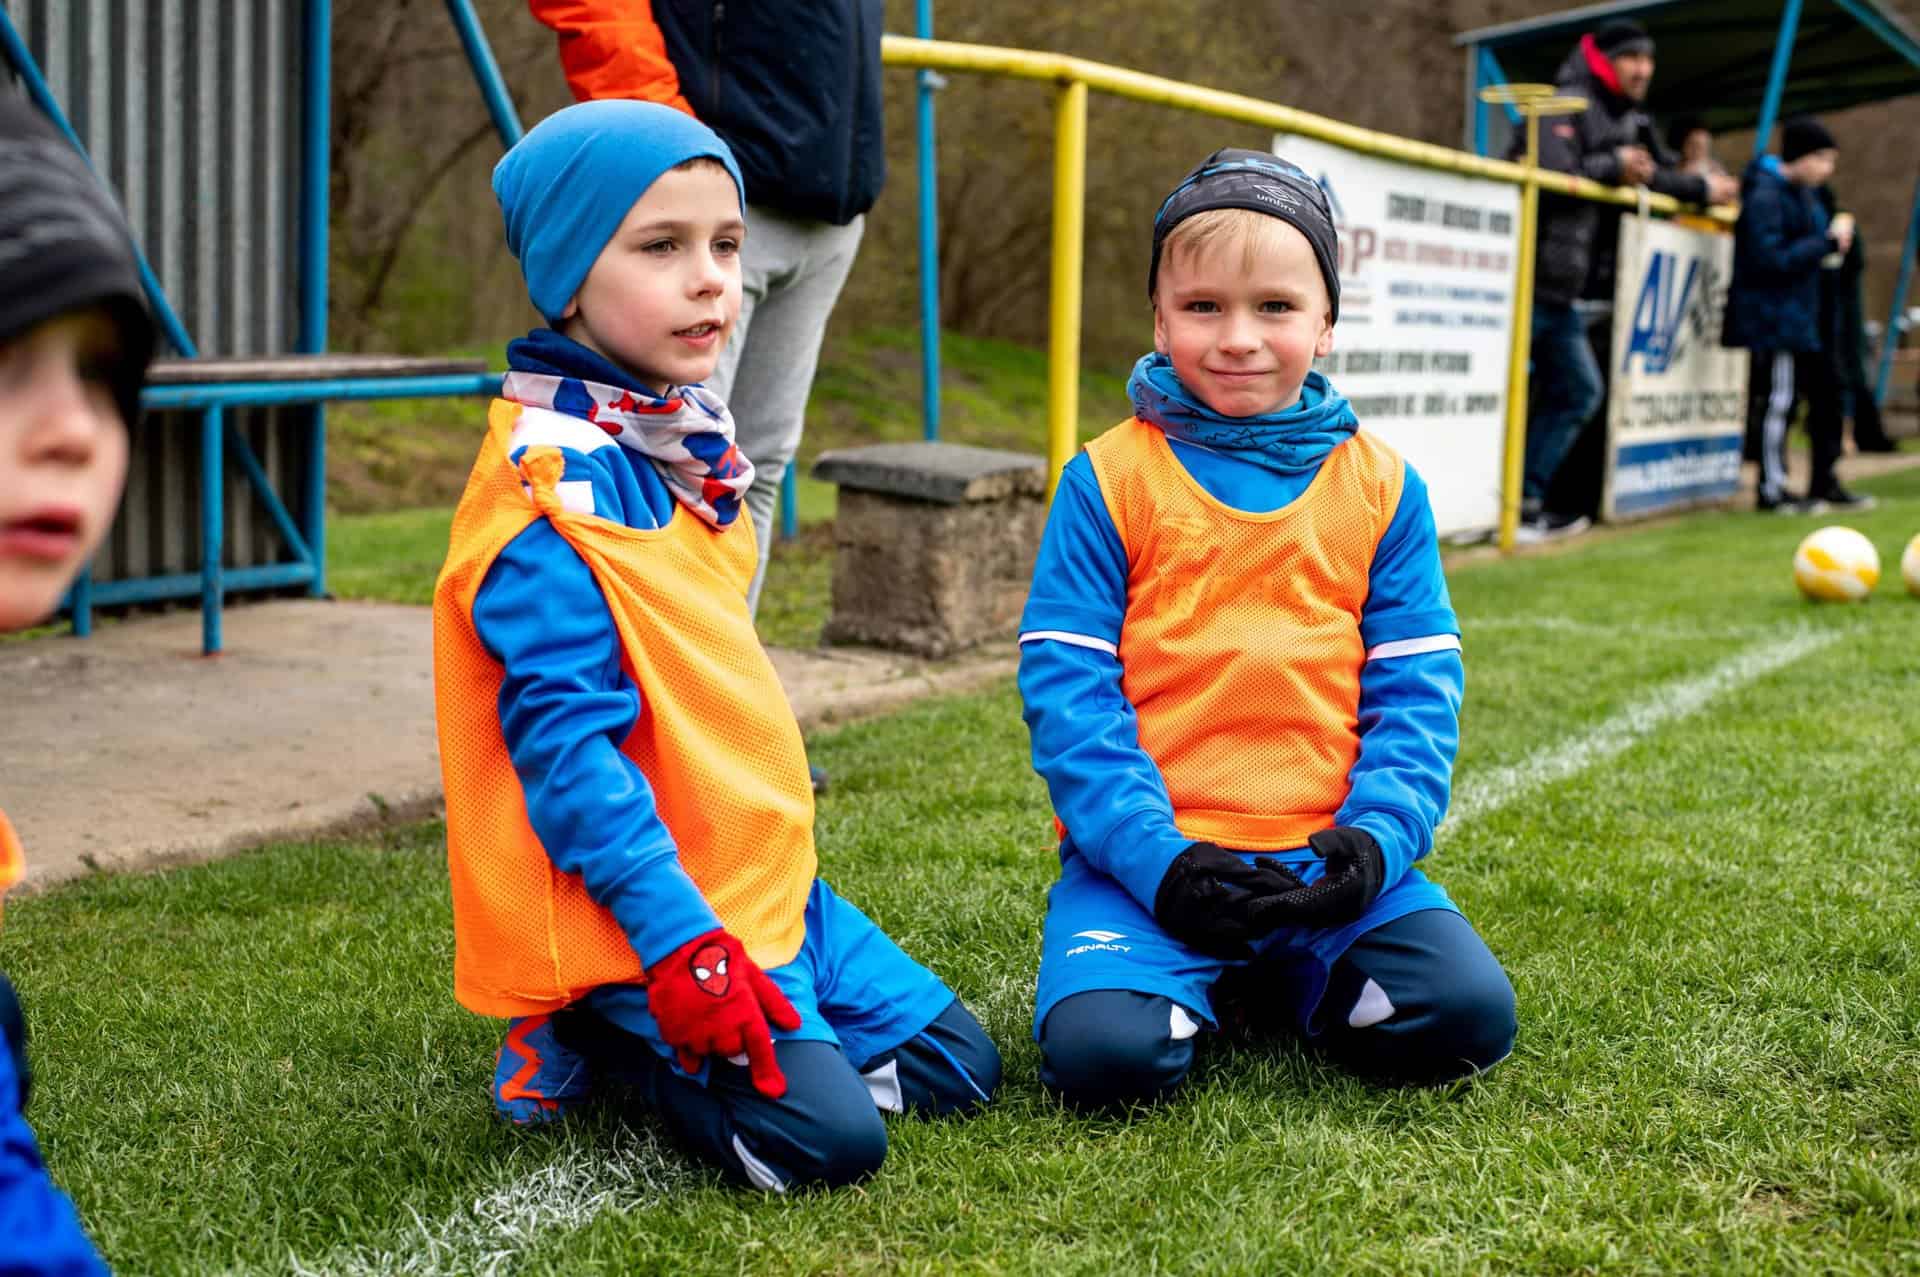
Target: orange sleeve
612	49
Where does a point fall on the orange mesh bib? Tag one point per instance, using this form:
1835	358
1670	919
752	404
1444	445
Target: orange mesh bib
716	739
1241	644
13	859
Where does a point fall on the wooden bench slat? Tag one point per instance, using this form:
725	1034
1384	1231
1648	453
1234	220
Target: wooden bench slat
197	372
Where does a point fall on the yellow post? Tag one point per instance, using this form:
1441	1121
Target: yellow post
1532	101
1522	346
1063	311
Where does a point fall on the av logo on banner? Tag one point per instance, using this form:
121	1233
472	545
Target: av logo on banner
1657	335
1679	302
1676	410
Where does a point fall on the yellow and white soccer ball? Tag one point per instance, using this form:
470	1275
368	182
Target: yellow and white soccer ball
1836	565
1910	565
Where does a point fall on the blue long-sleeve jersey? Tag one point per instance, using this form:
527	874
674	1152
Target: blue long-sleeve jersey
1109	793
566	705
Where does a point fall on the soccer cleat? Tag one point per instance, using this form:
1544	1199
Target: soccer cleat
536	1078
1838	498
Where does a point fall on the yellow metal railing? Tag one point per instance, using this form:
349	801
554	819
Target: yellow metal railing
1073	77
1063	306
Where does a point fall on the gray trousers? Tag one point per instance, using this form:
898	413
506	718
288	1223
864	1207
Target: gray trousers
791	273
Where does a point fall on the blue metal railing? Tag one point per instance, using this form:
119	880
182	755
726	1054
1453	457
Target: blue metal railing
260	394
1776	77
315	198
486	72
928	82
213	530
1487	71
1890	338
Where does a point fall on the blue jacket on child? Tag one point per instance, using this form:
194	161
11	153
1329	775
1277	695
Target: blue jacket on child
1774	302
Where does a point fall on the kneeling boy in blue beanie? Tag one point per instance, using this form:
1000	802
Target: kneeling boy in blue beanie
629	814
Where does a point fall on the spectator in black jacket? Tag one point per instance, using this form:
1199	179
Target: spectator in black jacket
1612	140
1773	310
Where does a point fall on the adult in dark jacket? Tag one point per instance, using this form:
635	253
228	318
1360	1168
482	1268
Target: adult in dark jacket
1773	310
794	89
1613	140
1843	331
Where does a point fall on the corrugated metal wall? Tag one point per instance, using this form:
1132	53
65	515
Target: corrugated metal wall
191	110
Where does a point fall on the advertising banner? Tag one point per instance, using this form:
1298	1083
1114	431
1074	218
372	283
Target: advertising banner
1677	400
1427	262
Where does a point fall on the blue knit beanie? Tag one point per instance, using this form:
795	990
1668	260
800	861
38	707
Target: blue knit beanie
567	185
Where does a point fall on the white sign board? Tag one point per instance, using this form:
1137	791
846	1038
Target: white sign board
1677	403
1427	262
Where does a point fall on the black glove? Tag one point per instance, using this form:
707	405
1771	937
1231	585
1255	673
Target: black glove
1214	901
1356	870
13	1029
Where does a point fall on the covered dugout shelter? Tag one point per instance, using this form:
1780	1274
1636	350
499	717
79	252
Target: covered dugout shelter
1736	64
209	121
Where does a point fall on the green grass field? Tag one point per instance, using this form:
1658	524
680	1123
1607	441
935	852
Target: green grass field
1684	819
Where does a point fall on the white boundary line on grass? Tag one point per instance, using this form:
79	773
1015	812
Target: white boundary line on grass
1604	629
487	1237
1486	791
571	1192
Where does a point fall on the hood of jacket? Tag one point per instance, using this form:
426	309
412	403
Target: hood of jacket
1588	72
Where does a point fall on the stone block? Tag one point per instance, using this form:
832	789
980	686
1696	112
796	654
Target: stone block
933	544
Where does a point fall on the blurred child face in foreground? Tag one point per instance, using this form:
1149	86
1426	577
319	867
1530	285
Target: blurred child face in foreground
664	293
63	457
1241	310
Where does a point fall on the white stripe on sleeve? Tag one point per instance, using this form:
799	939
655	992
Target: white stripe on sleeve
1067	636
1414	646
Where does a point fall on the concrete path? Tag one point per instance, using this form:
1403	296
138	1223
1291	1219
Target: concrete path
129	749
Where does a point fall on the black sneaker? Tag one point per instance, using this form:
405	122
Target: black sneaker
1787	503
1838	498
1550	526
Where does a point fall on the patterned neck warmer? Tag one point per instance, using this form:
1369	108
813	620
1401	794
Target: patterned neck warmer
1293	440
687	434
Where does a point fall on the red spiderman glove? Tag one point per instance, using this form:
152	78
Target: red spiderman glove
710	998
